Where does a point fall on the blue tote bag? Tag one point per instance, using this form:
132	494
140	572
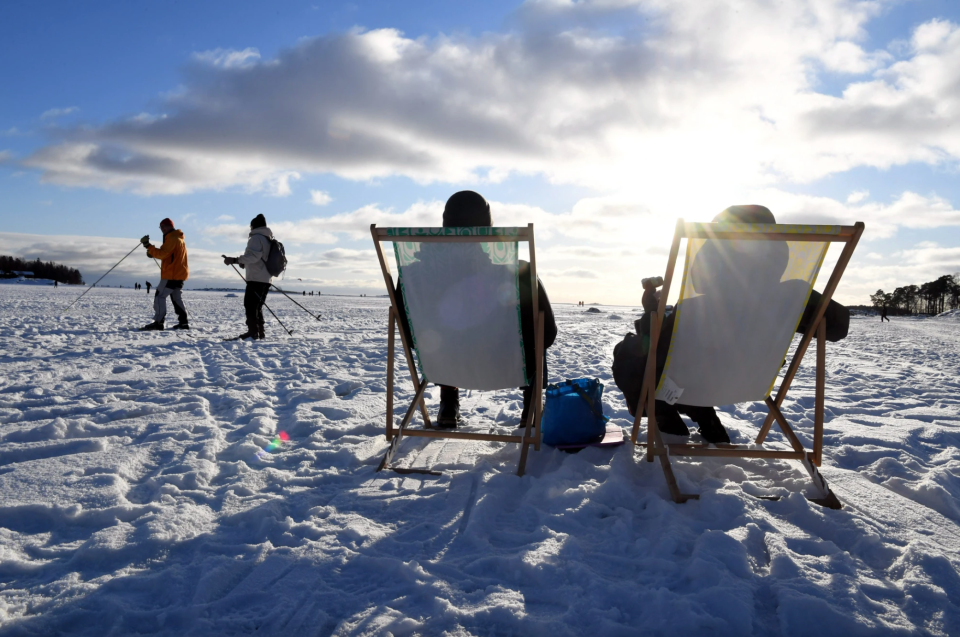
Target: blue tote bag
573	414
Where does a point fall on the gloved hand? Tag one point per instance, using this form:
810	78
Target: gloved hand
230	260
145	240
651	283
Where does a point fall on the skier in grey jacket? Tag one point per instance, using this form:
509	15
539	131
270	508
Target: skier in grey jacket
254	261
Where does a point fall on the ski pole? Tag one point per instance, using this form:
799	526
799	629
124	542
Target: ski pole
100	279
301	307
289	332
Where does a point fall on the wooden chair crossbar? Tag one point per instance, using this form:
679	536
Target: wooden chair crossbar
810	459
394	434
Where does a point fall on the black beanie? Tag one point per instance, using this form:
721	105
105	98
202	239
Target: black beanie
745	214
466	209
257	222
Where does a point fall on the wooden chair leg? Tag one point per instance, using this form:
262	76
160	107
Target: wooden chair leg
656	446
392	323
395	444
522	465
639	413
537	419
533	415
827	498
537	399
784	426
636	423
649	390
653	427
821	382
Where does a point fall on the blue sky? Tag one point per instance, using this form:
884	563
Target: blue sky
602	122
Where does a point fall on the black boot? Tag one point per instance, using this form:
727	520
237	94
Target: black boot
527	396
448	416
180	326
150	327
669	420
712	429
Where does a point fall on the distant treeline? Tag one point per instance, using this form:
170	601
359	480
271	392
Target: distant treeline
930	298
40	269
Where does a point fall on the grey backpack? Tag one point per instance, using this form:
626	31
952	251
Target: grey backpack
276	260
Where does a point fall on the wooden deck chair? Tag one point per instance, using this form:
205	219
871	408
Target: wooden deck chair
461	298
742	296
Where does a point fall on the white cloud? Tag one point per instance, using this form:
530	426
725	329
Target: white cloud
344	258
229	58
53	113
946	260
630	116
847	57
320	198
905	267
857	196
555	96
145	118
909	210
225	218
115	168
235	232
575	274
95	255
346	255
933	35
279	184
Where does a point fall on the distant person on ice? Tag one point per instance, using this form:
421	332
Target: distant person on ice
254	261
173	272
883	314
148	286
467	209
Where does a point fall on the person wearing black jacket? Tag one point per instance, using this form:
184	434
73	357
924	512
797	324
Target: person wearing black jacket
469	209
630	355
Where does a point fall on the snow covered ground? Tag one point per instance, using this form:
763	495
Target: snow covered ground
136	496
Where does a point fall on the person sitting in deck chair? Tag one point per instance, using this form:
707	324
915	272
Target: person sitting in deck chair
469	209
716	273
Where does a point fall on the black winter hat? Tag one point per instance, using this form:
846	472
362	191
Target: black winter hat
766	261
745	214
258	222
466	209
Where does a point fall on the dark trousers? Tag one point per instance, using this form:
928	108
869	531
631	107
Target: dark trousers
668	416
253	300
450	394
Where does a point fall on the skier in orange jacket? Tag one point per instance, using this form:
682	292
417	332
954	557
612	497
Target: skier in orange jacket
173	272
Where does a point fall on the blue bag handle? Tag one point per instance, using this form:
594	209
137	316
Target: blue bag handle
596	412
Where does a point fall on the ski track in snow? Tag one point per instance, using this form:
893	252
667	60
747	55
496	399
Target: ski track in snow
132	500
